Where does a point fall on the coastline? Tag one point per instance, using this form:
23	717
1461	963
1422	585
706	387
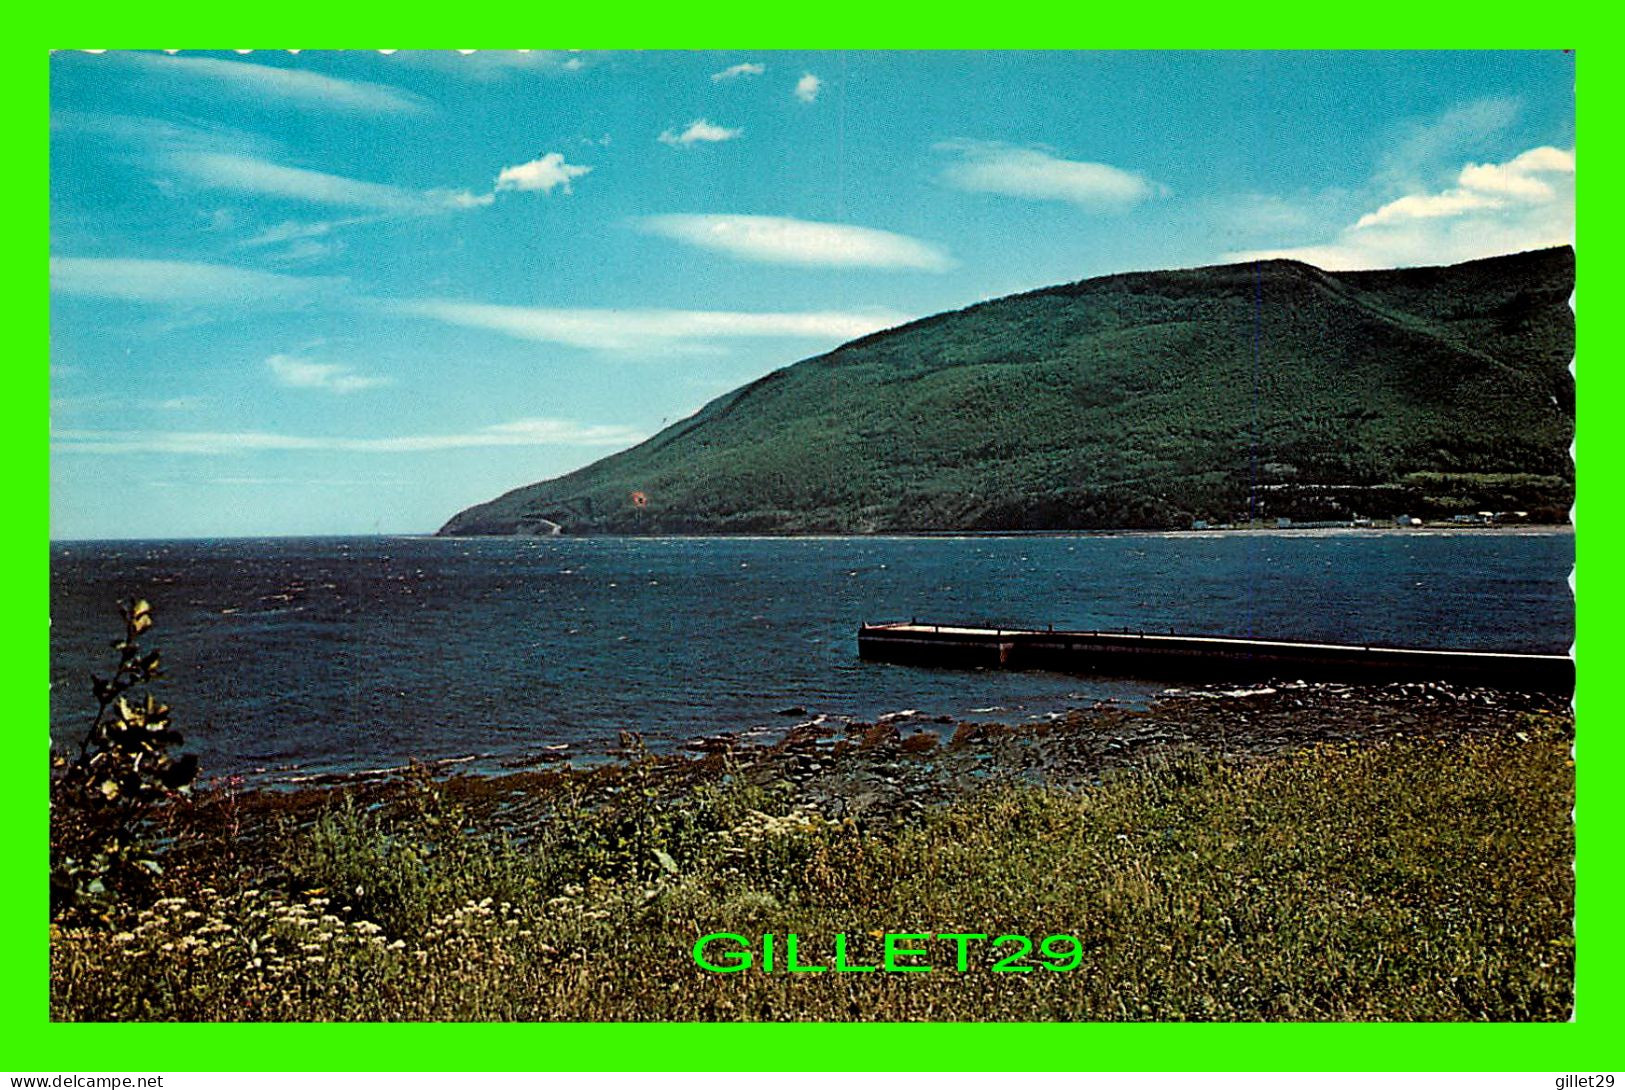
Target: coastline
1269	853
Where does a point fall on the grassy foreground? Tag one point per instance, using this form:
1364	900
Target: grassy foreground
1411	878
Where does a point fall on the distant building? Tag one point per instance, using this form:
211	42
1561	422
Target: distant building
1198	524
1406	520
1283	523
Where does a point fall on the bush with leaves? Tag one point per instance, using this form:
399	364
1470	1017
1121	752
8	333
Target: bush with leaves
102	799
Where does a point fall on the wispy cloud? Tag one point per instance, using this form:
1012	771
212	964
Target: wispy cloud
276	84
262	177
302	241
122	403
784	241
1418	149
309	482
488	65
699	131
749	68
123	132
647	330
334	378
182	282
529	432
808	86
544	174
1524	203
986	166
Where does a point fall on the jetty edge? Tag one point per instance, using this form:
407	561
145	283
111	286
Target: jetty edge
1141	654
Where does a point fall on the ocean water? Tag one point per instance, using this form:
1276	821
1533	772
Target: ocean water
332	655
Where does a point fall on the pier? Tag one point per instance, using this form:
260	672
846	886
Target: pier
1171	657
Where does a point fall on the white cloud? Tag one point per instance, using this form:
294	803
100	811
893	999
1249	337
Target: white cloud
530	432
1522	180
808	86
646	330
785	241
545	174
746	69
699	131
991	167
1525	203
268	84
336	378
181	282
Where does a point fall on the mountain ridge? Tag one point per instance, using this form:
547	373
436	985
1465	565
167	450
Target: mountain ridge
1133	400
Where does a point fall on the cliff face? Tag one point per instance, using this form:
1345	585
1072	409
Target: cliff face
1137	400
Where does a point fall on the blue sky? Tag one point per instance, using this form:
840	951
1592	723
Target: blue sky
334	293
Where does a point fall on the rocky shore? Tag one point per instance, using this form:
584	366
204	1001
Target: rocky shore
882	773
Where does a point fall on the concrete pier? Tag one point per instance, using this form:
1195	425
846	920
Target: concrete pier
1132	654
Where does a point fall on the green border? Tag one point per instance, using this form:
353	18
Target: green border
36	1044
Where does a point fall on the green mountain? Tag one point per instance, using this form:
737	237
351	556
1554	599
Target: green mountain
1139	400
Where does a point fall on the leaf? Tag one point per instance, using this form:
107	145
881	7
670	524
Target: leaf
180	773
140	616
667	863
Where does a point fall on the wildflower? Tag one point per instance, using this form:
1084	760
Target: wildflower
398	944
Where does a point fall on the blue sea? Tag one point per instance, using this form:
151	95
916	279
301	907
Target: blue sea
309	655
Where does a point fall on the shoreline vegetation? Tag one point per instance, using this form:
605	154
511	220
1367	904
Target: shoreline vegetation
1285	852
1263	529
